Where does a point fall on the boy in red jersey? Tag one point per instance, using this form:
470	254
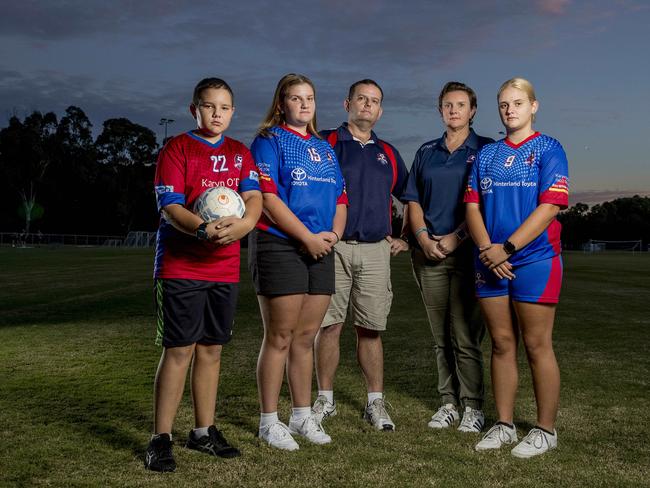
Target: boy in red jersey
196	269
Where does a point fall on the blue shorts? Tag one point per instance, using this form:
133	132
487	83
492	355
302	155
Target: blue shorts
537	282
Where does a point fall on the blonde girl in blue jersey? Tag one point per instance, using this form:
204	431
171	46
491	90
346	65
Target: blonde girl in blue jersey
517	187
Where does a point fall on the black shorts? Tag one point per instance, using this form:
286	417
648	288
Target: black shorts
194	311
278	267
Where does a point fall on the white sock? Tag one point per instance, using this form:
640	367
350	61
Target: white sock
299	413
374	395
329	394
268	418
153	436
199	432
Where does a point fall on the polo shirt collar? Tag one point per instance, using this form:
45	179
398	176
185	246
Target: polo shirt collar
471	141
346	135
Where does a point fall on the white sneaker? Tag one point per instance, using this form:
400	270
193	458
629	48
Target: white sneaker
535	443
323	409
277	435
496	437
310	428
376	414
473	420
446	416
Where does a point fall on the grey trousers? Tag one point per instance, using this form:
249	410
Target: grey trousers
447	289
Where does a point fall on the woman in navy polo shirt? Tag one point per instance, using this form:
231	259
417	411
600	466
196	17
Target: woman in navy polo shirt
442	258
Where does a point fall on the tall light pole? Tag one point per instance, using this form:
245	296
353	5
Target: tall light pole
164	121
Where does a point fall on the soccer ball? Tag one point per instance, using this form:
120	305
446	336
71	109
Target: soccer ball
217	202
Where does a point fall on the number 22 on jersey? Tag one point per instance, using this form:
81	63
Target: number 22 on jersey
219	163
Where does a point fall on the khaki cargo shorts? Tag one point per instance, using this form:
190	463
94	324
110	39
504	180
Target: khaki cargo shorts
363	289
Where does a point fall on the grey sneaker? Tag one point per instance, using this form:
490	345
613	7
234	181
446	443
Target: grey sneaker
535	443
473	420
310	428
497	436
323	409
277	435
446	416
376	414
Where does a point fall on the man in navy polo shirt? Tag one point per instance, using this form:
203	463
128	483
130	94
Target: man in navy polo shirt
373	171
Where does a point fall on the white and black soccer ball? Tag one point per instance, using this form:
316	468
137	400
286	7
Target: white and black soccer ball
217	202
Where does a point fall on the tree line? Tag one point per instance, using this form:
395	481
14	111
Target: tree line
59	180
623	219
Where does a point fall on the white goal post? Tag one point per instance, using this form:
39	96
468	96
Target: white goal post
598	245
140	239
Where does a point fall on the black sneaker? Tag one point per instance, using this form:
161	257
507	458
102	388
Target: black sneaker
159	455
214	444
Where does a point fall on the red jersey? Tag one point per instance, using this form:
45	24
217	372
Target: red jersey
187	166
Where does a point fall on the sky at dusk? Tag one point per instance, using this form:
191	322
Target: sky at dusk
141	60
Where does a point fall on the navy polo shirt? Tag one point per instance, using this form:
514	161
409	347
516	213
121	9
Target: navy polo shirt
368	174
438	179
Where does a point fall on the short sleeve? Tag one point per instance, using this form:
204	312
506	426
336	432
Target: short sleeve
402	176
471	191
266	156
170	175
554	178
250	174
342	198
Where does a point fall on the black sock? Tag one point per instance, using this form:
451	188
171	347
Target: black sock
544	430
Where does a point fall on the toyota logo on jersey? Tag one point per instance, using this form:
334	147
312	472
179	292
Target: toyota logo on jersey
298	174
486	183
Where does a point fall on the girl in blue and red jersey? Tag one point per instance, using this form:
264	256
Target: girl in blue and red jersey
516	188
290	254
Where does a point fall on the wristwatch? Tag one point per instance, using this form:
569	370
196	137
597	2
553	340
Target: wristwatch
509	248
201	233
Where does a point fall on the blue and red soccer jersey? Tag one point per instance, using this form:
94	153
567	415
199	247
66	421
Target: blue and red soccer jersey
187	166
304	173
510	180
372	171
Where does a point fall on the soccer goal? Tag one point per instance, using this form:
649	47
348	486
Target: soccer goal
597	245
140	239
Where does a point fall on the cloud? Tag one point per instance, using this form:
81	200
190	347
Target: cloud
593	197
380	34
48	90
72	19
552	7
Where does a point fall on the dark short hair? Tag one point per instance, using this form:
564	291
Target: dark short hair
210	83
451	86
364	82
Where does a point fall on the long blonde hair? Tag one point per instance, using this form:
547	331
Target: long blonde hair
274	117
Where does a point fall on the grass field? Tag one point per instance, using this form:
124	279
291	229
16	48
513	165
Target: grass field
77	362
